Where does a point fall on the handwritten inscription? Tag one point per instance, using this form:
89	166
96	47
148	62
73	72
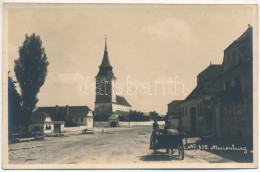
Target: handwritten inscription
217	147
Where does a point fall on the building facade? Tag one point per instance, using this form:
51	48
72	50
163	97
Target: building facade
197	117
221	105
174	114
41	122
72	115
235	102
107	101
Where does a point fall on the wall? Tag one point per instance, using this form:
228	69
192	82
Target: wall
121	108
79	121
90	122
48	131
103	108
185	118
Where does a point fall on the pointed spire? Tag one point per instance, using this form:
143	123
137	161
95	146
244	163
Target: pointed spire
106	42
105	61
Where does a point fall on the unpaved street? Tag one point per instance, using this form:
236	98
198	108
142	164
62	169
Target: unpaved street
116	144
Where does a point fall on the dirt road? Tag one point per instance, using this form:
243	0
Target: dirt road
116	144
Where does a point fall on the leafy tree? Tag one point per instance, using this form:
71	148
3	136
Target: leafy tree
137	116
154	115
14	108
30	70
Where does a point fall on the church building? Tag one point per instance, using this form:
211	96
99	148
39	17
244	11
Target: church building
107	102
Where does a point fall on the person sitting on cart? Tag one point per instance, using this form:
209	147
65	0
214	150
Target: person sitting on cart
155	132
168	129
155	125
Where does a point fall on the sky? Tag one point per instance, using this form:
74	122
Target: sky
147	44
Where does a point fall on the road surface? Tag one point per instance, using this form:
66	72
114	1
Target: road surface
121	145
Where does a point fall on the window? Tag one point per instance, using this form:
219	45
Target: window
76	119
48	127
185	110
81	119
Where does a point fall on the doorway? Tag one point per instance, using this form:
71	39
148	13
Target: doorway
193	120
57	128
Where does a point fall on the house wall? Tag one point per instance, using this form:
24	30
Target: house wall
90	122
203	116
218	120
237	110
116	107
62	127
186	115
48	128
237	121
79	121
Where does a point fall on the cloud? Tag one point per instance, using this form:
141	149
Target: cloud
169	29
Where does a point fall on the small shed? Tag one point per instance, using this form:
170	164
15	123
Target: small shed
58	126
90	122
41	122
113	120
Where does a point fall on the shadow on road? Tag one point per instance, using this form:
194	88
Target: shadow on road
160	156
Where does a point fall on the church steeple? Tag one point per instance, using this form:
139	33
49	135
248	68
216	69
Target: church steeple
105	61
105	42
105	68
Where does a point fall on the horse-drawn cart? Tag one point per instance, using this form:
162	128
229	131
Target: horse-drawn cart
160	140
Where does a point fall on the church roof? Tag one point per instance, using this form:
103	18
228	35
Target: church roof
122	101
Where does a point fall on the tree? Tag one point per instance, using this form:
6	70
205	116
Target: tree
137	116
30	70
154	115
14	108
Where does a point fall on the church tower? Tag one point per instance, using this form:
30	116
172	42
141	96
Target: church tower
105	83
